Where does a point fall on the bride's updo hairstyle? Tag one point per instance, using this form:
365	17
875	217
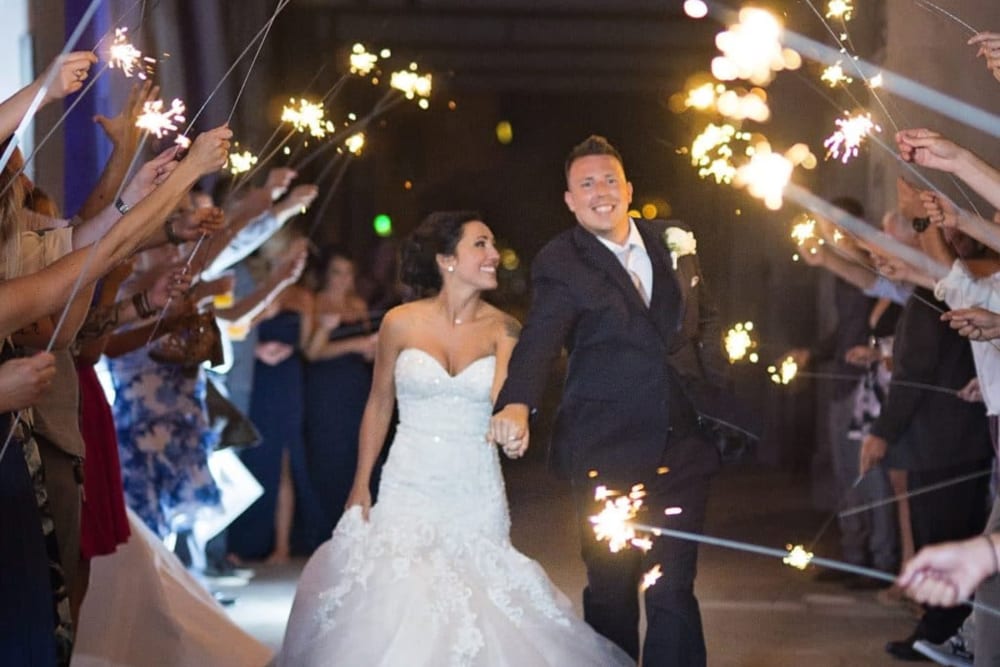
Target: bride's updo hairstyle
438	234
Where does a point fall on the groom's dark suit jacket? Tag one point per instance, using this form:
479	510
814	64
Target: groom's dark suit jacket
629	365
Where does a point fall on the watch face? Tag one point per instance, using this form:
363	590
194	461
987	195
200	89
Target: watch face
921	224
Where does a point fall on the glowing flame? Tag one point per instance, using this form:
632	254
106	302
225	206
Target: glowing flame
362	62
875	81
307	117
738	341
155	120
712	151
355	143
410	83
765	176
613	522
834	75
703	97
241	163
840	9
789	369
651	577
797	557
751	49
851	132
804	230
124	55
182	141
753	105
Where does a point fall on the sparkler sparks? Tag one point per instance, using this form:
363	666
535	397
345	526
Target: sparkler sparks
355	143
307	117
157	121
789	369
124	56
803	230
651	577
834	75
851	131
704	96
765	176
753	105
738	342
362	62
797	557
412	84
613	522
240	163
752	49
712	151
840	9
182	141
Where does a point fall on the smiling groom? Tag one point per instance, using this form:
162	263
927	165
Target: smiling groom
645	374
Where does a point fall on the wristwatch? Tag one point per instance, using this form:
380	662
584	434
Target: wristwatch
921	224
122	207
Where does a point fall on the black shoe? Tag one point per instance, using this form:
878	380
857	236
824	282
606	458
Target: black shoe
903	650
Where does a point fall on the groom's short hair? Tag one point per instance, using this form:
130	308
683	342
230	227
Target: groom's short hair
592	145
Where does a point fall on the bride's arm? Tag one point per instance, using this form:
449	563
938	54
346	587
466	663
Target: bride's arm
378	410
507	335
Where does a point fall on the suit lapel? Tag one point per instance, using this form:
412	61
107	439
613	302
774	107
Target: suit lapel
600	256
669	291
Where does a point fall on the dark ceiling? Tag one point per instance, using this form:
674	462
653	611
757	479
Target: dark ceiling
524	45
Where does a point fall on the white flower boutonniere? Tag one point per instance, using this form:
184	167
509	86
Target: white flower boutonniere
679	242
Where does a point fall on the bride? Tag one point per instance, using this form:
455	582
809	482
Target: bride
428	576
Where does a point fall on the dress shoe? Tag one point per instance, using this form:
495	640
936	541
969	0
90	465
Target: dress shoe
903	650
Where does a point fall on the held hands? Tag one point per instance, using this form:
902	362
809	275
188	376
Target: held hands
929	149
71	71
23	381
509	430
974	323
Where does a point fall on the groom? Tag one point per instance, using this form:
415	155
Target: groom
645	373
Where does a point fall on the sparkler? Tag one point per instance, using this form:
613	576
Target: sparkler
362	62
124	56
797	557
840	9
926	4
307	117
765	175
786	373
803	230
752	49
355	143
739	342
916	492
651	577
834	75
851	132
157	121
240	163
753	105
412	84
712	151
704	96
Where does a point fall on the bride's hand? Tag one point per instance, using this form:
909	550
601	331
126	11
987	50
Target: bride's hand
362	497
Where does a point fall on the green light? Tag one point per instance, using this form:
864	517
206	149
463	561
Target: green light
382	224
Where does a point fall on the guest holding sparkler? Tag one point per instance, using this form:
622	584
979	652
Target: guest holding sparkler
646	372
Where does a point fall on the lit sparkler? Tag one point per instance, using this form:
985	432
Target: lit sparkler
651	577
834	75
752	50
157	121
613	522
766	175
362	62
355	143
411	84
712	151
804	230
753	105
797	557
704	96
241	163
182	141
739	342
840	9
125	56
875	81
306	116
851	131
789	369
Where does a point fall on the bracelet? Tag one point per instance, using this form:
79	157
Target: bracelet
122	207
141	303
993	552
168	226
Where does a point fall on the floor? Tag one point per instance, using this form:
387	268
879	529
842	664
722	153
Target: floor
757	611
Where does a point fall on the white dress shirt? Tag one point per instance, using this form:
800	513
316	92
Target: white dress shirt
634	258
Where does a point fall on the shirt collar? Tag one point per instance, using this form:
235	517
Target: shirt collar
633	239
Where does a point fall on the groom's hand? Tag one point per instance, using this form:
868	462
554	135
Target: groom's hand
509	429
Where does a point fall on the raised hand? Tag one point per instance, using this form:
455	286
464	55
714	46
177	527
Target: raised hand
121	129
989	49
929	149
939	210
71	71
302	196
149	176
192	225
169	287
210	150
278	181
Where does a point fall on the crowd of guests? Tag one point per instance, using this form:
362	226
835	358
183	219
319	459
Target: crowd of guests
200	305
914	413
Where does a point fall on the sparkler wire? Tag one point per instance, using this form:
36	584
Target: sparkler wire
916	492
925	4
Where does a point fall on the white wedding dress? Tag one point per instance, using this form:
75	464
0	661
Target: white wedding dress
432	578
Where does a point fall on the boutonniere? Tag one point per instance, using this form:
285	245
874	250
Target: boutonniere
679	242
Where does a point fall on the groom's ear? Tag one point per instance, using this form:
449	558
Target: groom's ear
568	198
